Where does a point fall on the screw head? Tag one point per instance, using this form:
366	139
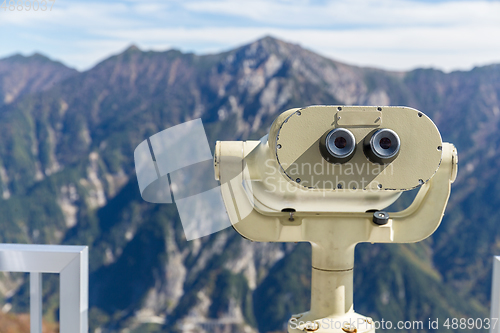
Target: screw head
380	217
349	328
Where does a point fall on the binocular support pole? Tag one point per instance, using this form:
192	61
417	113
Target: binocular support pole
333	245
331	292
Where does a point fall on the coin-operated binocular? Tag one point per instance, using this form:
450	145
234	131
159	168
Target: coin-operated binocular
323	175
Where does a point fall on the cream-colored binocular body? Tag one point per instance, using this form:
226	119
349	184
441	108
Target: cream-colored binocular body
322	175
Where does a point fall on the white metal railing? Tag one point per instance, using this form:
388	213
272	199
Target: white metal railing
495	295
71	263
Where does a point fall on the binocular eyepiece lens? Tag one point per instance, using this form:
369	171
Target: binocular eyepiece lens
385	143
338	145
340	142
382	146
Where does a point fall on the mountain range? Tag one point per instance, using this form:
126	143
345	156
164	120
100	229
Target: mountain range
67	177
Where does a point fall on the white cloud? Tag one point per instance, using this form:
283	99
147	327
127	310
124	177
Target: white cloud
356	12
394	34
445	47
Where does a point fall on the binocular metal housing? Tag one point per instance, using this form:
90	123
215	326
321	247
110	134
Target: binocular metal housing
319	176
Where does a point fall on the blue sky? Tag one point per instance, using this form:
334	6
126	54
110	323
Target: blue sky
389	34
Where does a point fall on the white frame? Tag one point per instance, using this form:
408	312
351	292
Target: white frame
71	262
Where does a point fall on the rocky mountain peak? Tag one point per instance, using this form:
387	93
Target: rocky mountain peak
21	75
132	48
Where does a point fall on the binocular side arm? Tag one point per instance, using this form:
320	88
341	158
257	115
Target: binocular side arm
424	215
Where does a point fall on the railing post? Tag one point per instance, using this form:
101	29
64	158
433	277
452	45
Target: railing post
73	291
36	302
495	296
